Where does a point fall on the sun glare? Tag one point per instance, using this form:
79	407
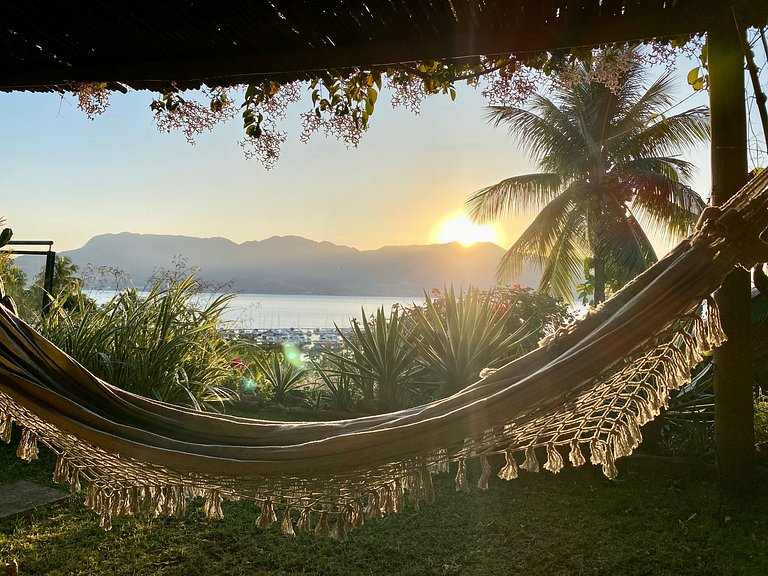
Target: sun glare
459	228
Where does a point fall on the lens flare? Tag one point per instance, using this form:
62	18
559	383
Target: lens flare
292	354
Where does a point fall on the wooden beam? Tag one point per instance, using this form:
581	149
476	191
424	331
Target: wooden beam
734	403
233	67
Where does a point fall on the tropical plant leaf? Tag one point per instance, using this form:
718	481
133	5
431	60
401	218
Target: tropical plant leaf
516	195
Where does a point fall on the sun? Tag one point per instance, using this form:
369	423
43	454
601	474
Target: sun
459	228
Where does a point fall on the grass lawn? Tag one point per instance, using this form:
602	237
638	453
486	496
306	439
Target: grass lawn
660	517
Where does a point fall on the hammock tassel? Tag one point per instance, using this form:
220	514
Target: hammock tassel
304	520
61	470
147	500
90	496
126	501
386	500
287	525
118	503
181	502
398	493
531	463
374	508
575	456
554	461
485	475
267	516
212	506
635	434
621	442
74	481
356	514
509	470
644	412
169	501
6	428
322	526
27	449
340	529
429	489
106	522
596	451
461	476
158	501
609	465
716	335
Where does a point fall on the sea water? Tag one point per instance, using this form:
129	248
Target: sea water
262	311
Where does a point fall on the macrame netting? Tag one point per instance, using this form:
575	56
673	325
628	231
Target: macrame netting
583	395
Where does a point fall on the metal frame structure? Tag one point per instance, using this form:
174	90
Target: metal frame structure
50	262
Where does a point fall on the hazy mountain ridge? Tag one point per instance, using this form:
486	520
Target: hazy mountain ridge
297	265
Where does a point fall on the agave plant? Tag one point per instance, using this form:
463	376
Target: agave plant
340	387
381	360
457	336
163	345
283	378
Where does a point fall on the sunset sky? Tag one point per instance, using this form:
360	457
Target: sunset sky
66	178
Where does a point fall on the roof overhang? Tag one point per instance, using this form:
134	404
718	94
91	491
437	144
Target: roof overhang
152	45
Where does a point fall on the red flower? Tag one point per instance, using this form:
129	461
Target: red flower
238	364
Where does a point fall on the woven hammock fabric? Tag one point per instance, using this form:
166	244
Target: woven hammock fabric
584	394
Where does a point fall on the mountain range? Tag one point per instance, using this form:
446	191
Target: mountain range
296	265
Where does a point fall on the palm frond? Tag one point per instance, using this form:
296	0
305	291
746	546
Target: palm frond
558	230
635	111
516	195
670	206
563	267
663	138
623	244
545	132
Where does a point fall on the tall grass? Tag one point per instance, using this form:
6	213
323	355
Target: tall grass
163	345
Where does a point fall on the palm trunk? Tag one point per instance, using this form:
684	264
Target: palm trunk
599	295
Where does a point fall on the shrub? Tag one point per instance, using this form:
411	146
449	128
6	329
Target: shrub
163	345
379	359
283	378
339	389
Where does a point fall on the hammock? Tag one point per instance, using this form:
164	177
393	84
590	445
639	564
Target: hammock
587	390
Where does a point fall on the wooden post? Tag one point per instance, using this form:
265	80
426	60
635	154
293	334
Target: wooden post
734	408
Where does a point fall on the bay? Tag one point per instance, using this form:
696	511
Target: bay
263	311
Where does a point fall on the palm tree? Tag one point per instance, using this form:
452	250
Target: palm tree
608	161
65	279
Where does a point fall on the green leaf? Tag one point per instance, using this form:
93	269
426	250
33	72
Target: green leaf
5	236
693	76
698	84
